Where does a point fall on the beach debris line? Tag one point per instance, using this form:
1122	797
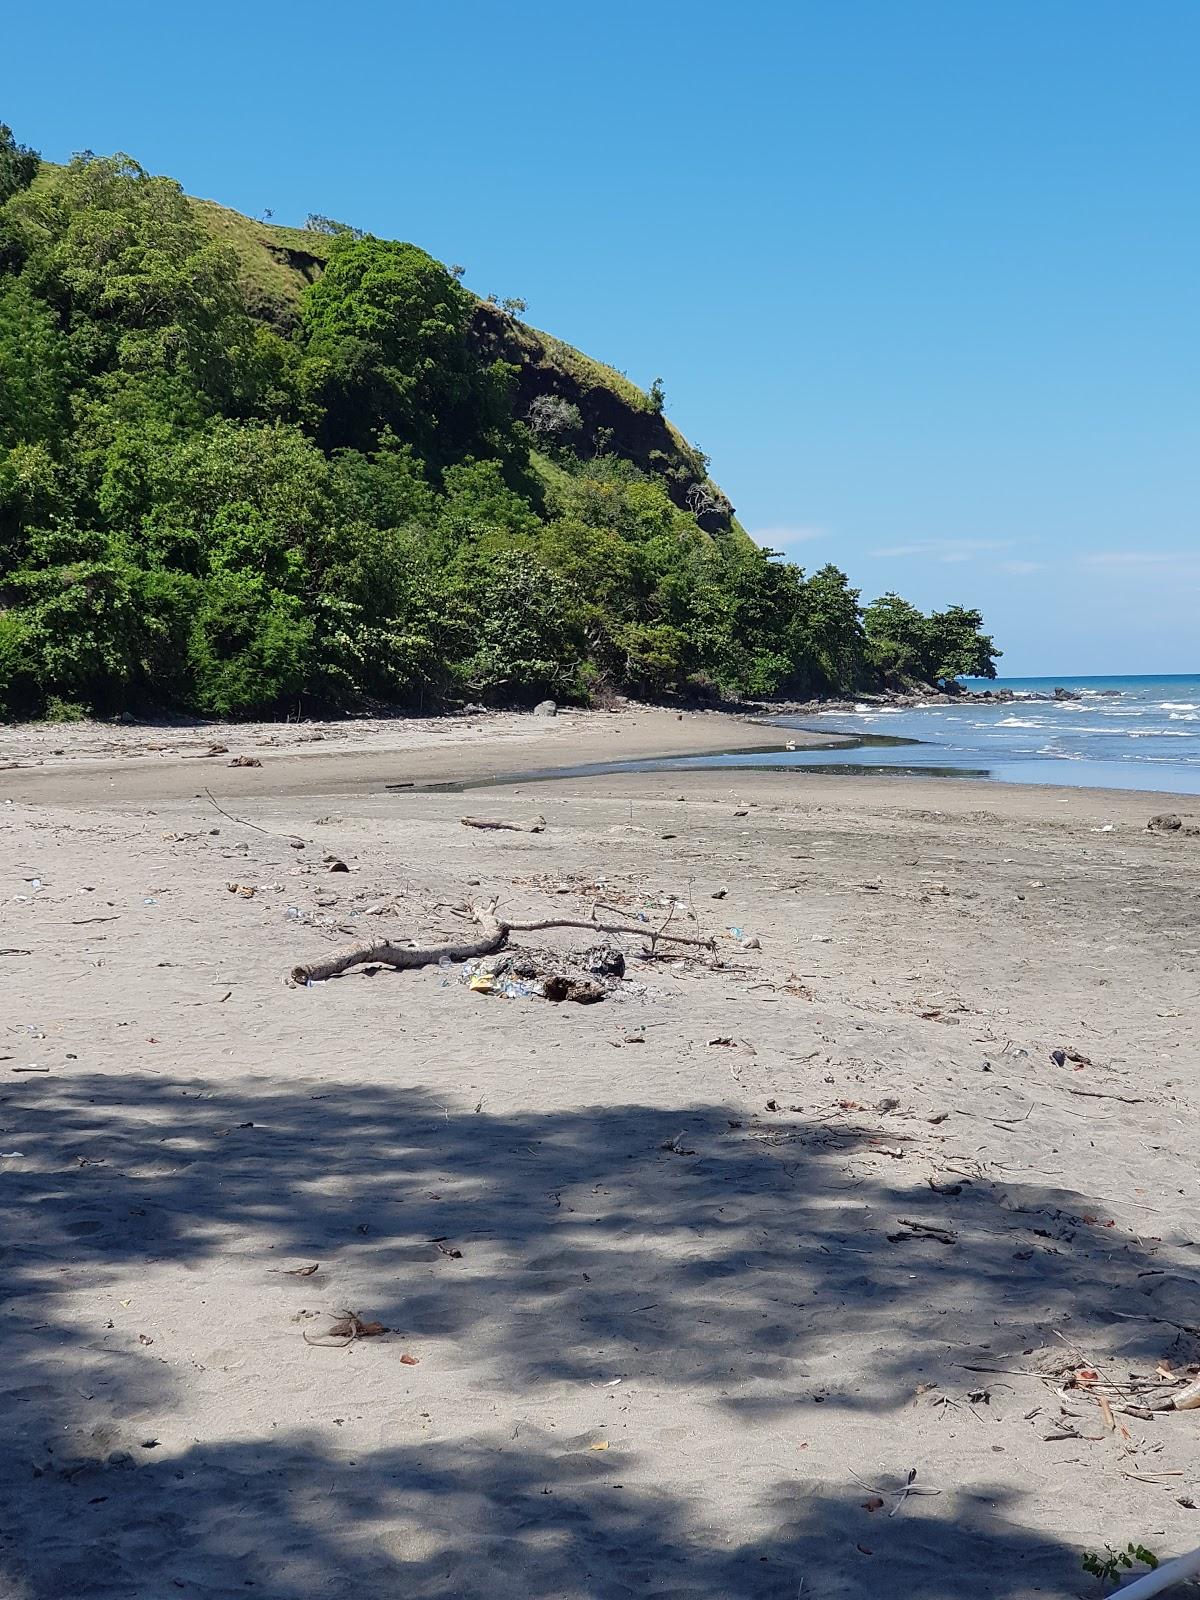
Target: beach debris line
494	933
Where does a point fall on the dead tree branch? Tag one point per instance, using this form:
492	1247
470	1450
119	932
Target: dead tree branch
534	825
493	936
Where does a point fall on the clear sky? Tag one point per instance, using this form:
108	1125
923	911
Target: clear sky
922	276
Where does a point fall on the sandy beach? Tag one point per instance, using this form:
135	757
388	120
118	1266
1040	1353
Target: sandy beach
850	1258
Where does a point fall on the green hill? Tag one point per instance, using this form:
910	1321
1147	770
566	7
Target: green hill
276	265
245	466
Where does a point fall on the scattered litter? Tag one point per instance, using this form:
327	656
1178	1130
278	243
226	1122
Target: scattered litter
1062	1056
677	1147
520	974
600	1444
409	1361
246	891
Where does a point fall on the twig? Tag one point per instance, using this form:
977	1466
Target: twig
1097	1094
270	832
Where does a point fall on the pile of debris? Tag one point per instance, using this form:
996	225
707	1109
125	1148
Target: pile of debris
585	976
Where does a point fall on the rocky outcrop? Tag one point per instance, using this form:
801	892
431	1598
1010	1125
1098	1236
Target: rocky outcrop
617	418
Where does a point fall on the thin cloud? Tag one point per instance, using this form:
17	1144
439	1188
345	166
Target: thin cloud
1022	569
947	550
1134	561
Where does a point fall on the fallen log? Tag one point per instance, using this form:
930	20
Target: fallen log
534	825
493	936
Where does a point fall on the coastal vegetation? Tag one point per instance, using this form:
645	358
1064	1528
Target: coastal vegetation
245	468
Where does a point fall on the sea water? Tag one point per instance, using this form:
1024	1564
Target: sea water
1121	733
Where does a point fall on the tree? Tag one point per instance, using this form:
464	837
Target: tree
937	648
657	396
316	223
551	418
957	646
835	629
18	164
142	292
514	305
385	329
896	631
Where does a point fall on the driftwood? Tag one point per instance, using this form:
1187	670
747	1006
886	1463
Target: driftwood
493	936
534	825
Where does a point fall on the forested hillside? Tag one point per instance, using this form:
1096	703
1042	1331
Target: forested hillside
245	468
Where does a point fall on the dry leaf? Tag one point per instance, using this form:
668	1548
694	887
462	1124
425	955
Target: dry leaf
409	1361
1086	1375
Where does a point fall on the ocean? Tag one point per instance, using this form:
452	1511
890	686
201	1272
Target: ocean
1122	733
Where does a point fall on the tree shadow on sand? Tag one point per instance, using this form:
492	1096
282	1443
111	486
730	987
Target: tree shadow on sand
681	1252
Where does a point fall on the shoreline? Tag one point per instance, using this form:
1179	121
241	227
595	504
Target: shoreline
94	763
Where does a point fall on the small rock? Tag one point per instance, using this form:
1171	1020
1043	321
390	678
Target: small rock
719	894
545	708
1165	822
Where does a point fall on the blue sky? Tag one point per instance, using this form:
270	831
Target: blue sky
921	277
